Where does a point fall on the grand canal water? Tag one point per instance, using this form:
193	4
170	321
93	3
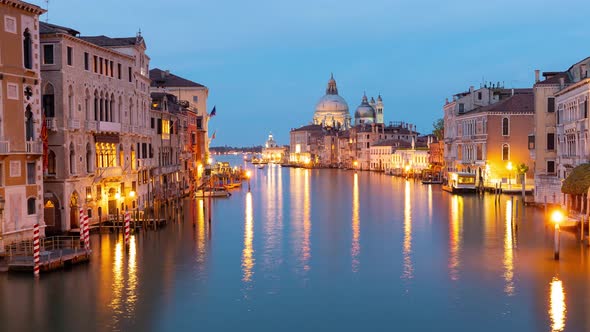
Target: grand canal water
320	250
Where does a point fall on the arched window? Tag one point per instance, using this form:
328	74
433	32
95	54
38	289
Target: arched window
120	110
31	209
106	107
51	163
111	108
87	105
131	112
96	106
27	50
70	102
121	156
88	158
133	162
29	125
101	105
505	152
48	101
505	127
72	159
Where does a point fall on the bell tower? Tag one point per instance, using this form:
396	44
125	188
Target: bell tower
379	110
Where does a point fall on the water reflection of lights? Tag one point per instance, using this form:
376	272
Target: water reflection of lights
132	276
201	242
557	307
356	248
408	272
118	282
306	245
248	252
455	236
508	251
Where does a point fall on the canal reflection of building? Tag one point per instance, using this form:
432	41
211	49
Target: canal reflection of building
408	270
248	251
356	231
301	217
201	233
455	235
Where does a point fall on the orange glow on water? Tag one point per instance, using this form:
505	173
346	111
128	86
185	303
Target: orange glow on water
557	307
508	251
408	272
356	232
455	236
248	251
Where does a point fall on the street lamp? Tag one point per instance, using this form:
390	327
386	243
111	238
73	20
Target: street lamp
248	175
355	164
557	218
509	168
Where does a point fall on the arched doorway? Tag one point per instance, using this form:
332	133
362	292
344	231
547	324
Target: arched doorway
74	210
52	215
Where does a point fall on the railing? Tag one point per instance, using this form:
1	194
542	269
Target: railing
106	172
34	147
51	124
91	125
4	147
50	247
74	124
109	126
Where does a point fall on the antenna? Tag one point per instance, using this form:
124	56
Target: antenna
47	13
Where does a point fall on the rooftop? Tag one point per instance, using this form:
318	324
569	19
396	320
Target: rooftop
163	78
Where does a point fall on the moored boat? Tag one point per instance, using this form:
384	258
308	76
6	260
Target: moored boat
212	192
460	182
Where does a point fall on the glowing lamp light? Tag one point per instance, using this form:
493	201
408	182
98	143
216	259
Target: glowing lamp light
407	168
355	163
248	174
117	195
132	194
209	161
509	166
557	217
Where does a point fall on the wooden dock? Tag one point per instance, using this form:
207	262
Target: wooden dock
55	253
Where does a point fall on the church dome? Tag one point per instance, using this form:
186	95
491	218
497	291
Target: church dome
332	110
365	113
331	104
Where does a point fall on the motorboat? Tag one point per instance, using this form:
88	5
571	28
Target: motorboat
460	182
212	192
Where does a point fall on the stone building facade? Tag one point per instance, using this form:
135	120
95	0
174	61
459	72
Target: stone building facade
21	181
96	106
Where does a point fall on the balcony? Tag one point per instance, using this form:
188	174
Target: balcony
145	163
109	126
166	169
109	172
91	125
51	124
73	124
34	147
4	147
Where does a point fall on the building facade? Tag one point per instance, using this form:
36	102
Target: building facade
21	166
96	106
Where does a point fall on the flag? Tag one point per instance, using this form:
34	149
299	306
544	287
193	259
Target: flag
213	137
213	112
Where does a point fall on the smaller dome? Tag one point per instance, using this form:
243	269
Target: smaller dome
365	111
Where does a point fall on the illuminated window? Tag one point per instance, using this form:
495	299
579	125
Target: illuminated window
165	129
505	152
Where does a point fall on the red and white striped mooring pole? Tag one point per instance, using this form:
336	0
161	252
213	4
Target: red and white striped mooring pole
81	222
86	233
36	250
127	220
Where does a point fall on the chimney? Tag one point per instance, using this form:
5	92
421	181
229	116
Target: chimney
561	82
537	72
471	89
512	92
583	72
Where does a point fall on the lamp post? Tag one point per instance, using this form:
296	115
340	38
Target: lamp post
557	218
355	164
509	168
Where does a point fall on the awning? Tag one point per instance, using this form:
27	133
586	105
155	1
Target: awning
578	181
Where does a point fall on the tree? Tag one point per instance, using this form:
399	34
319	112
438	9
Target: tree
438	129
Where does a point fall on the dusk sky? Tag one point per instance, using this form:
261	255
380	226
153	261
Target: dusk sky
267	62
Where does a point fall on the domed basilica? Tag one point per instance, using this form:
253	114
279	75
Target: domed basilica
332	110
